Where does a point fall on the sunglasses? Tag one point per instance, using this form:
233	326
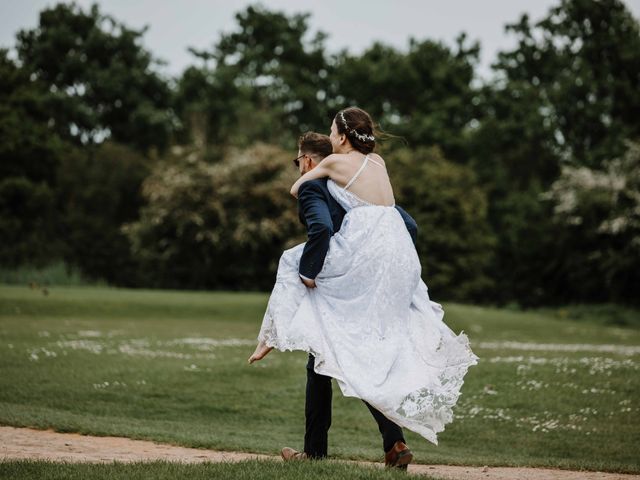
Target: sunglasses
296	161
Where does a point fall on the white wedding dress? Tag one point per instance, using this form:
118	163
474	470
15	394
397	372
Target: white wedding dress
370	322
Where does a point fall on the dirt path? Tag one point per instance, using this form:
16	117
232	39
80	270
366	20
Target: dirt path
27	443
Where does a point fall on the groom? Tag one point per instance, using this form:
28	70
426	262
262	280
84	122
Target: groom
322	216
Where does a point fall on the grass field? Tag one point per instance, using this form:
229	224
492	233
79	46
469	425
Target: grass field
552	388
248	470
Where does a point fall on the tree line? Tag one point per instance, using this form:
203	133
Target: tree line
525	187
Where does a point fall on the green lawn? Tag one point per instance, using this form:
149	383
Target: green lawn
248	470
550	390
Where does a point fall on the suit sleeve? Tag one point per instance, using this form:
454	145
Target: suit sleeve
410	223
314	210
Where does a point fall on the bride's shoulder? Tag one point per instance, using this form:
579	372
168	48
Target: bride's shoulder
334	158
336	162
377	158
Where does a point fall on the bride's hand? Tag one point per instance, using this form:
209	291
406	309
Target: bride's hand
308	282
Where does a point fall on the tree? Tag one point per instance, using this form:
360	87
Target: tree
568	92
97	192
27	146
515	157
29	158
600	213
101	80
455	242
26	223
424	95
267	82
583	61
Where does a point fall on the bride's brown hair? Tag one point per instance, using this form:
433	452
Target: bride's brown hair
357	125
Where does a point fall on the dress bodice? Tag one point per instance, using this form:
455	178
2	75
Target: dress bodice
345	198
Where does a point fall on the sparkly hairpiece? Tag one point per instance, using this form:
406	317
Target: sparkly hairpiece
360	136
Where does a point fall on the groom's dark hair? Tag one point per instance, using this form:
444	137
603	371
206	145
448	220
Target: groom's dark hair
313	143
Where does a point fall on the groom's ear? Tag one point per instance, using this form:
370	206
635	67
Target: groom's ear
311	163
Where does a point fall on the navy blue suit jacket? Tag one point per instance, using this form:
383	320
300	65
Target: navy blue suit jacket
322	215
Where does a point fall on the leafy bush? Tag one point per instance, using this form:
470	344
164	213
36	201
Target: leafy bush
599	210
217	225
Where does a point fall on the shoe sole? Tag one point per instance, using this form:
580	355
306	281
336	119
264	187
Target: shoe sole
404	459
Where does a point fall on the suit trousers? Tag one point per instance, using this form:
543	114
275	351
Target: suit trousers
318	416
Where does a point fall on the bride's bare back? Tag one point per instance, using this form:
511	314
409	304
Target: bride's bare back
372	183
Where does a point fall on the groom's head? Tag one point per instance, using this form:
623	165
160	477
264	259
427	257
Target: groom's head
312	148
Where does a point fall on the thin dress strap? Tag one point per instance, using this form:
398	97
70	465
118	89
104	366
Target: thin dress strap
377	163
364	164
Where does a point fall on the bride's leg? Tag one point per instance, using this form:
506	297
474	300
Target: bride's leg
260	352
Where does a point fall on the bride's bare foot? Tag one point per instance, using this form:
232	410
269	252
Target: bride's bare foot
260	353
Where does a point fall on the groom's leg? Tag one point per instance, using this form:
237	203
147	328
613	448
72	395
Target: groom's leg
317	412
391	432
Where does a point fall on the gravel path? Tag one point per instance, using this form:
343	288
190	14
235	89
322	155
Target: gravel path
27	443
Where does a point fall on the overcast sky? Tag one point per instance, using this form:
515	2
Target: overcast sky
352	24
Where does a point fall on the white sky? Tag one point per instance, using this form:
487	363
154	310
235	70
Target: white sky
352	24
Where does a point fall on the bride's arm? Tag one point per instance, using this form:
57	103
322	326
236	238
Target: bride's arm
326	168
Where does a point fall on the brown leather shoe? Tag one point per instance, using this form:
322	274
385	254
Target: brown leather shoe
290	454
399	456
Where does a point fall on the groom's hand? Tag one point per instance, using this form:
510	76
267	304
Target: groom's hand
308	282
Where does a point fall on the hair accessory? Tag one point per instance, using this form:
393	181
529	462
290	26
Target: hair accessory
360	136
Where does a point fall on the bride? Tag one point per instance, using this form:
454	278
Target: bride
367	317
